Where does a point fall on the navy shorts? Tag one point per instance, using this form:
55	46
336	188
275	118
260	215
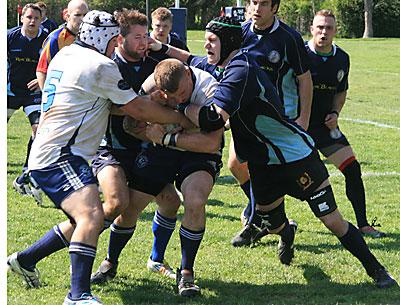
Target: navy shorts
29	103
298	179
157	166
325	143
60	179
124	158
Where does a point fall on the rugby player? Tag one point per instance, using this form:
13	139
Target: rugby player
23	47
330	71
63	36
47	24
114	162
193	168
74	119
281	156
279	50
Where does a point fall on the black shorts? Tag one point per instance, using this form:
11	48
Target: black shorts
298	179
125	158
16	102
325	143
157	166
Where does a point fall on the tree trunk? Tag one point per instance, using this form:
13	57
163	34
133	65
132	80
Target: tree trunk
368	8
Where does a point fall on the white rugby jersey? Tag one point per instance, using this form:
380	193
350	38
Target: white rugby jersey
204	86
80	86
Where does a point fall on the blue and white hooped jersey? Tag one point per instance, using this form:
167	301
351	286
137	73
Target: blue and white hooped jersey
80	86
261	132
281	53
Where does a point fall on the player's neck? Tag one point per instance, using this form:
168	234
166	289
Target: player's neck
324	50
29	33
268	23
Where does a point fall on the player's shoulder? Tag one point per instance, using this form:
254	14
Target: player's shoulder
14	32
287	30
340	52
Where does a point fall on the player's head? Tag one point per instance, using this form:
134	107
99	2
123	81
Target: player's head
76	10
31	17
323	29
43	8
263	12
174	78
132	41
161	23
99	30
223	35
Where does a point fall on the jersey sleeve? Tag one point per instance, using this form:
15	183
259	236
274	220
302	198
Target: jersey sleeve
49	49
231	89
110	84
297	55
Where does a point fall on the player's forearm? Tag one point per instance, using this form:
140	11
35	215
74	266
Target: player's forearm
200	142
306	94
338	101
143	108
41	77
177	53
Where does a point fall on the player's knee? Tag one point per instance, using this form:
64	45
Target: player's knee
322	202
352	170
335	223
274	219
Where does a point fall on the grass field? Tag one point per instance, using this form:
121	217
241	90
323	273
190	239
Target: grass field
321	273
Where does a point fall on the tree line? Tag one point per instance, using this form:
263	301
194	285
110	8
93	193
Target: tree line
297	13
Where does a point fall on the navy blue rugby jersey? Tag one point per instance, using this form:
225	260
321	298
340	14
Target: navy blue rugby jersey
330	74
22	58
280	51
134	73
261	132
173	40
201	63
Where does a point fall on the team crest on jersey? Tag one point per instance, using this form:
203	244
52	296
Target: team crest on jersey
340	75
274	56
304	181
84	170
142	160
123	85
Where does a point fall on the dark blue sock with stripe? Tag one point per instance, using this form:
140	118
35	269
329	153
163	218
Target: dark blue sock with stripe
190	243
163	228
119	237
82	258
51	242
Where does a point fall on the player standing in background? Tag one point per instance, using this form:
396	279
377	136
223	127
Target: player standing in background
330	67
161	23
280	52
23	46
47	24
64	36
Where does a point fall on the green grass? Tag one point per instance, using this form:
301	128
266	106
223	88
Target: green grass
322	272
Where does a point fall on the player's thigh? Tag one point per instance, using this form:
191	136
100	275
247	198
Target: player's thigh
168	199
197	187
113	184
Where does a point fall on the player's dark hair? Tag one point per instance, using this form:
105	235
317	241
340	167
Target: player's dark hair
126	18
229	31
168	74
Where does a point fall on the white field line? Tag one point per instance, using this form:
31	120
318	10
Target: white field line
382	125
368	174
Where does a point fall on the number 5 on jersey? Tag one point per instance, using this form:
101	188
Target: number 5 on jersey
52	80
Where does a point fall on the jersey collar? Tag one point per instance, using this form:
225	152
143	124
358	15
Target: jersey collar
274	27
312	48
